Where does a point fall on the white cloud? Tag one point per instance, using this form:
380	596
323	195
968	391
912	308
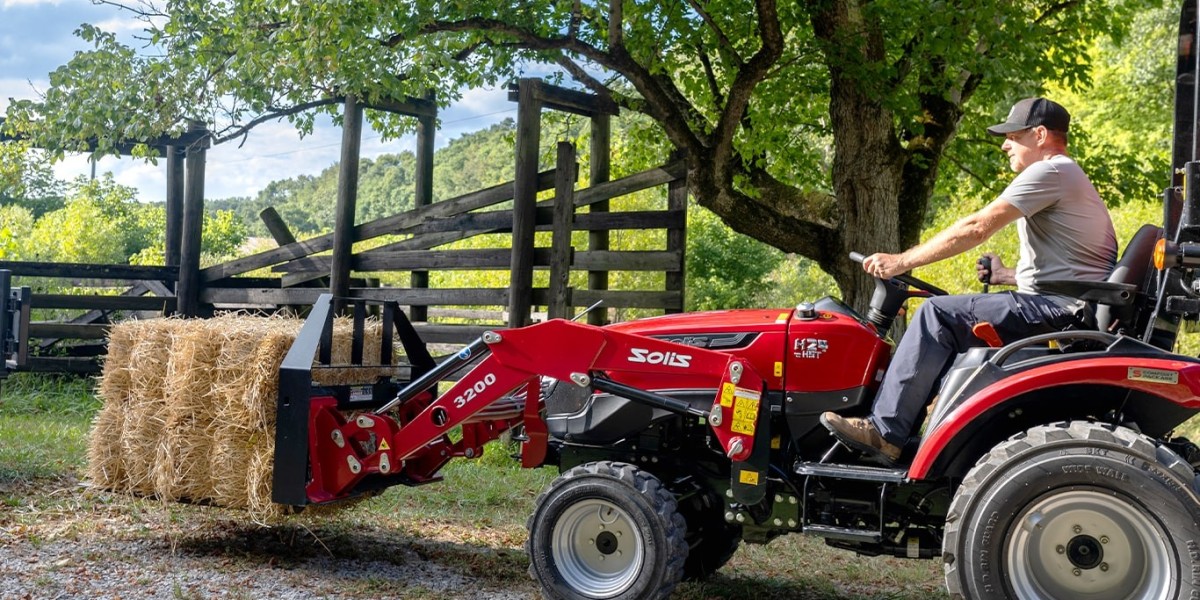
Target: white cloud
11	3
121	25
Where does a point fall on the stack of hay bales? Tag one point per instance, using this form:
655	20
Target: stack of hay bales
189	407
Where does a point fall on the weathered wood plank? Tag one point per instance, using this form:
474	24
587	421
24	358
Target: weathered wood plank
628	299
560	245
66	364
600	172
433	260
189	282
90	302
500	221
347	199
596	222
79	331
529	135
450	334
425	297
654	260
633	183
677	196
89	271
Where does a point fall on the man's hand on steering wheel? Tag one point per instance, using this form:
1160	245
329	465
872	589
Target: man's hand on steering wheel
883	265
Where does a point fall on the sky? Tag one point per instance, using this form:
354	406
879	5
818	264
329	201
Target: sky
36	37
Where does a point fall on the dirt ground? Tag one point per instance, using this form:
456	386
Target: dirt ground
70	542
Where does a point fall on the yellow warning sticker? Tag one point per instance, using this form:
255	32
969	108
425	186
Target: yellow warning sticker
748	477
383	445
779	369
745	416
776	443
782	318
727	395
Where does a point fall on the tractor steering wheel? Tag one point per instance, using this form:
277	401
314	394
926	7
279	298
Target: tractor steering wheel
924	286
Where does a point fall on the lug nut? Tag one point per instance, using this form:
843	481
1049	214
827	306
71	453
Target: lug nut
1104	539
1061	549
1077	529
1103	566
1076	572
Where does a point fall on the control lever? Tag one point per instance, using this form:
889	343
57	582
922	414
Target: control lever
986	332
986	276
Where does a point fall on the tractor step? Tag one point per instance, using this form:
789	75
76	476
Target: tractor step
844	533
859	472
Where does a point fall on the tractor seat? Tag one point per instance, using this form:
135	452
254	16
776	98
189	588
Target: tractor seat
1121	298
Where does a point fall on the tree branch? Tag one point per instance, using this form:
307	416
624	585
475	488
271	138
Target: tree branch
275	114
713	87
750	75
723	41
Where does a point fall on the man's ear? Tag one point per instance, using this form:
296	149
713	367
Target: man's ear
1042	134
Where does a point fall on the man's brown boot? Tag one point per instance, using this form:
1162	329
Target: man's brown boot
861	435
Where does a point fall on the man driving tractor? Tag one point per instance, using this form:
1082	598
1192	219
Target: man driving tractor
1065	233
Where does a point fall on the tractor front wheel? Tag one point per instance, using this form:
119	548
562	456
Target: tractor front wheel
606	530
1075	510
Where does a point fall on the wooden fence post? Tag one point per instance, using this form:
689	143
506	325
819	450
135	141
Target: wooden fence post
599	173
347	195
175	183
529	133
188	289
559	306
426	128
677	195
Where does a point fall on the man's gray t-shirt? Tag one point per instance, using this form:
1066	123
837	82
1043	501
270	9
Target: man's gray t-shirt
1066	232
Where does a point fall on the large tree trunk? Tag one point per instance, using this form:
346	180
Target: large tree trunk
868	164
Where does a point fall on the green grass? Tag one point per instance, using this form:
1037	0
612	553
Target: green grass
44	421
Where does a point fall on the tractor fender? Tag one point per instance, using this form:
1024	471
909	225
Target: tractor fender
1175	381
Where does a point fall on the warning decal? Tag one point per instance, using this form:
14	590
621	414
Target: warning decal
727	395
748	477
745	415
383	445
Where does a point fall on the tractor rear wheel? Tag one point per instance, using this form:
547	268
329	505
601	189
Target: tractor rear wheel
606	530
1075	510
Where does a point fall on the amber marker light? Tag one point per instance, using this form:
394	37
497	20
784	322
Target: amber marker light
1160	253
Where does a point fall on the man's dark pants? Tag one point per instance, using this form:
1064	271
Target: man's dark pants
939	332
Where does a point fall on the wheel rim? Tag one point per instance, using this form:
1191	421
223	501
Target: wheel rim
597	548
1088	543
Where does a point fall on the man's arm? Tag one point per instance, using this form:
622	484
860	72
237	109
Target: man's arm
968	232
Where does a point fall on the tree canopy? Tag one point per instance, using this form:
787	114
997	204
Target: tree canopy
817	126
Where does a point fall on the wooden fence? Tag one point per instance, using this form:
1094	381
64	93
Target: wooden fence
296	267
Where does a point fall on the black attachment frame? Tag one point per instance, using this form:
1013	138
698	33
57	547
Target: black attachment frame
315	339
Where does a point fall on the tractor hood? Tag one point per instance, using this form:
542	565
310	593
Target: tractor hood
715	330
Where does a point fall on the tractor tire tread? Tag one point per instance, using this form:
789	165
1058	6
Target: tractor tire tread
1065	432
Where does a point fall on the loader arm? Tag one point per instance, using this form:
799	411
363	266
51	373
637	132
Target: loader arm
409	440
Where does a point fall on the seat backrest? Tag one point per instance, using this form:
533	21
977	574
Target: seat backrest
1133	268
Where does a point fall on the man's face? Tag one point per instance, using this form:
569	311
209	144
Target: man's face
1022	148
